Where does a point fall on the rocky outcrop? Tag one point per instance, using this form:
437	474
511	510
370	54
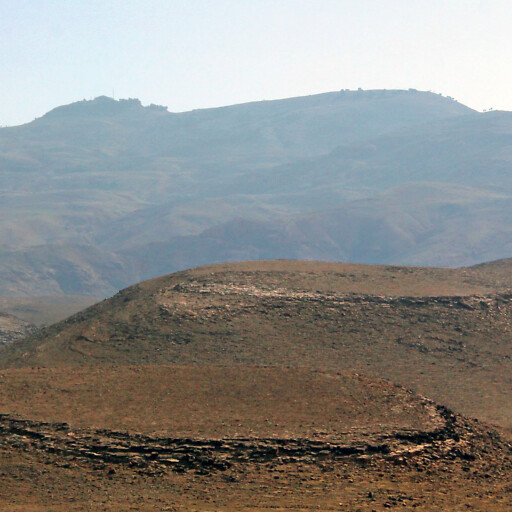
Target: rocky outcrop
457	438
13	328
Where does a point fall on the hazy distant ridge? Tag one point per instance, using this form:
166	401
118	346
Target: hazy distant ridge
100	194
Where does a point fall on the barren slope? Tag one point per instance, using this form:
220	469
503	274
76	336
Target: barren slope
45	310
242	438
13	328
253	408
445	333
216	402
90	189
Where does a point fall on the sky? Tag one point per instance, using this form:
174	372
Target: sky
189	54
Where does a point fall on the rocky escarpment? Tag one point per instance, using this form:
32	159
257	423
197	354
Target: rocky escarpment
445	326
456	439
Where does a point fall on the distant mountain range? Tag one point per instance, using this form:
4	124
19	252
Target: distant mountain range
100	194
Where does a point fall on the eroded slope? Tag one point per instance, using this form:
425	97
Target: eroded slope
242	438
445	333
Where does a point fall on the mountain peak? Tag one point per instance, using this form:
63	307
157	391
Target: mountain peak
102	106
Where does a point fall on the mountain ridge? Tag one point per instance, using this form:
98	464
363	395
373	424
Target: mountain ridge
308	177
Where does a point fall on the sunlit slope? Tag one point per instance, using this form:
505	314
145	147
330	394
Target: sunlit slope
240	437
442	332
216	402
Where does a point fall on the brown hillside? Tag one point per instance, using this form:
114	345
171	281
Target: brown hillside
442	332
237	439
213	402
497	274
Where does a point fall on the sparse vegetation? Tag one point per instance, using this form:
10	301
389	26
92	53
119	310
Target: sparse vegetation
97	186
259	384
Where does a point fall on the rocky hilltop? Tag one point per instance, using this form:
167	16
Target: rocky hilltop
268	384
239	437
442	332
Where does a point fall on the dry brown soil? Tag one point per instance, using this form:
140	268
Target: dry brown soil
241	387
454	349
214	402
246	438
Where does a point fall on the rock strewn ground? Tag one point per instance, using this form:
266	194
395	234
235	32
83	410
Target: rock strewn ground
459	466
13	328
454	439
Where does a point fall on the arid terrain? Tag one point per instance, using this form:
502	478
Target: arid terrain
45	310
444	333
271	385
243	438
20	316
100	194
13	328
255	256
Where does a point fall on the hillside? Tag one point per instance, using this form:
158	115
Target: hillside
13	328
427	224
238	438
442	332
44	310
386	177
216	402
264	385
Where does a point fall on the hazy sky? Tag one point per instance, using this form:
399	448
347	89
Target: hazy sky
199	53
